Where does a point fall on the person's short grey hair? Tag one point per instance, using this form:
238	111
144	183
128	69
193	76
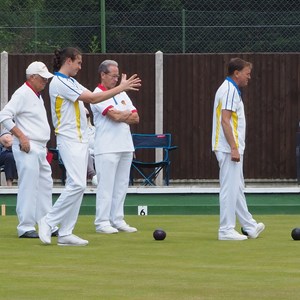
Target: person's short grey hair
104	66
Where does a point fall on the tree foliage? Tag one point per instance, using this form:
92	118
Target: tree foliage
148	26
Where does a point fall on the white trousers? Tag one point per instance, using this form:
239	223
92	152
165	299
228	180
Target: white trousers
113	171
232	198
35	184
66	208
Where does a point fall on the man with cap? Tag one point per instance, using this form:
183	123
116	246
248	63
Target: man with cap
26	118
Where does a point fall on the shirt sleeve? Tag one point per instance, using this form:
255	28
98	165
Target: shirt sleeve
231	98
70	89
8	113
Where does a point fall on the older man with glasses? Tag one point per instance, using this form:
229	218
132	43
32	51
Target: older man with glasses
113	151
26	118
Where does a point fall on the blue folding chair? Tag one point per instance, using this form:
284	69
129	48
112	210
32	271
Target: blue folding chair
147	167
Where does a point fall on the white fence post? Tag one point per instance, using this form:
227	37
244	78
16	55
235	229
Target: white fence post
3	79
159	106
3	93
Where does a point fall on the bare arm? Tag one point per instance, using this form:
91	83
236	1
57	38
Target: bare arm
118	115
131	84
226	117
133	119
23	139
126	116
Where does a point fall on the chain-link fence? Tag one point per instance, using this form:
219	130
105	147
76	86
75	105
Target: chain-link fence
172	26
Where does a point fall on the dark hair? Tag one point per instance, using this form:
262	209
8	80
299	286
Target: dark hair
60	56
237	64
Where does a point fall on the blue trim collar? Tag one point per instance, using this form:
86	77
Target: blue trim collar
234	83
61	75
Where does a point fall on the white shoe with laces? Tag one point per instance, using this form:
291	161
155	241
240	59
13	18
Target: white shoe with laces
232	235
107	230
127	228
71	240
259	229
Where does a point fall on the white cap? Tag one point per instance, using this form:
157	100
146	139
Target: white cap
38	68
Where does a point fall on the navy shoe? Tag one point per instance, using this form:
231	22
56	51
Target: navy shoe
244	232
54	233
32	234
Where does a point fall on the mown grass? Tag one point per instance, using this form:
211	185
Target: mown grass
189	264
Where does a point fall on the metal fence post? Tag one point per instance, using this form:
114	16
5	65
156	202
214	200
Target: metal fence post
183	30
35	31
103	26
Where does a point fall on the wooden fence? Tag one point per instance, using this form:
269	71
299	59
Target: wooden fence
190	82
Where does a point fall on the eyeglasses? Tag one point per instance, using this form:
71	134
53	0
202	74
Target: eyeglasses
113	76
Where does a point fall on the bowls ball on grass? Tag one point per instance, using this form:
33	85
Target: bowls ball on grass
296	234
159	234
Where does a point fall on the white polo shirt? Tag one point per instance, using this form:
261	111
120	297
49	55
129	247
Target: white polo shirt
228	97
26	110
68	113
112	136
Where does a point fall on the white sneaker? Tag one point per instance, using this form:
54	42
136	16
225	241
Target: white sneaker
44	231
71	240
259	229
232	236
127	228
95	180
107	229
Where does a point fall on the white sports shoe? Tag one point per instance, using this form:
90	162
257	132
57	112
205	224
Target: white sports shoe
71	240
95	180
44	231
107	229
259	229
232	236
127	228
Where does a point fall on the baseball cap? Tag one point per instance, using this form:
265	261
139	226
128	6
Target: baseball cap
38	68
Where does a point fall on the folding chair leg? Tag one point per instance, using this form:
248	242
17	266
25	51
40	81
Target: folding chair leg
131	177
63	175
146	179
167	170
154	174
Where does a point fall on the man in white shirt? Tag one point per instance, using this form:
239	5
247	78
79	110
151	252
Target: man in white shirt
25	117
228	143
67	98
113	151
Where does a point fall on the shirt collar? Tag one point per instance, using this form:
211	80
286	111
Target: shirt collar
102	87
234	83
30	86
61	75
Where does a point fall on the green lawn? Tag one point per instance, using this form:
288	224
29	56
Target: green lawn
189	264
